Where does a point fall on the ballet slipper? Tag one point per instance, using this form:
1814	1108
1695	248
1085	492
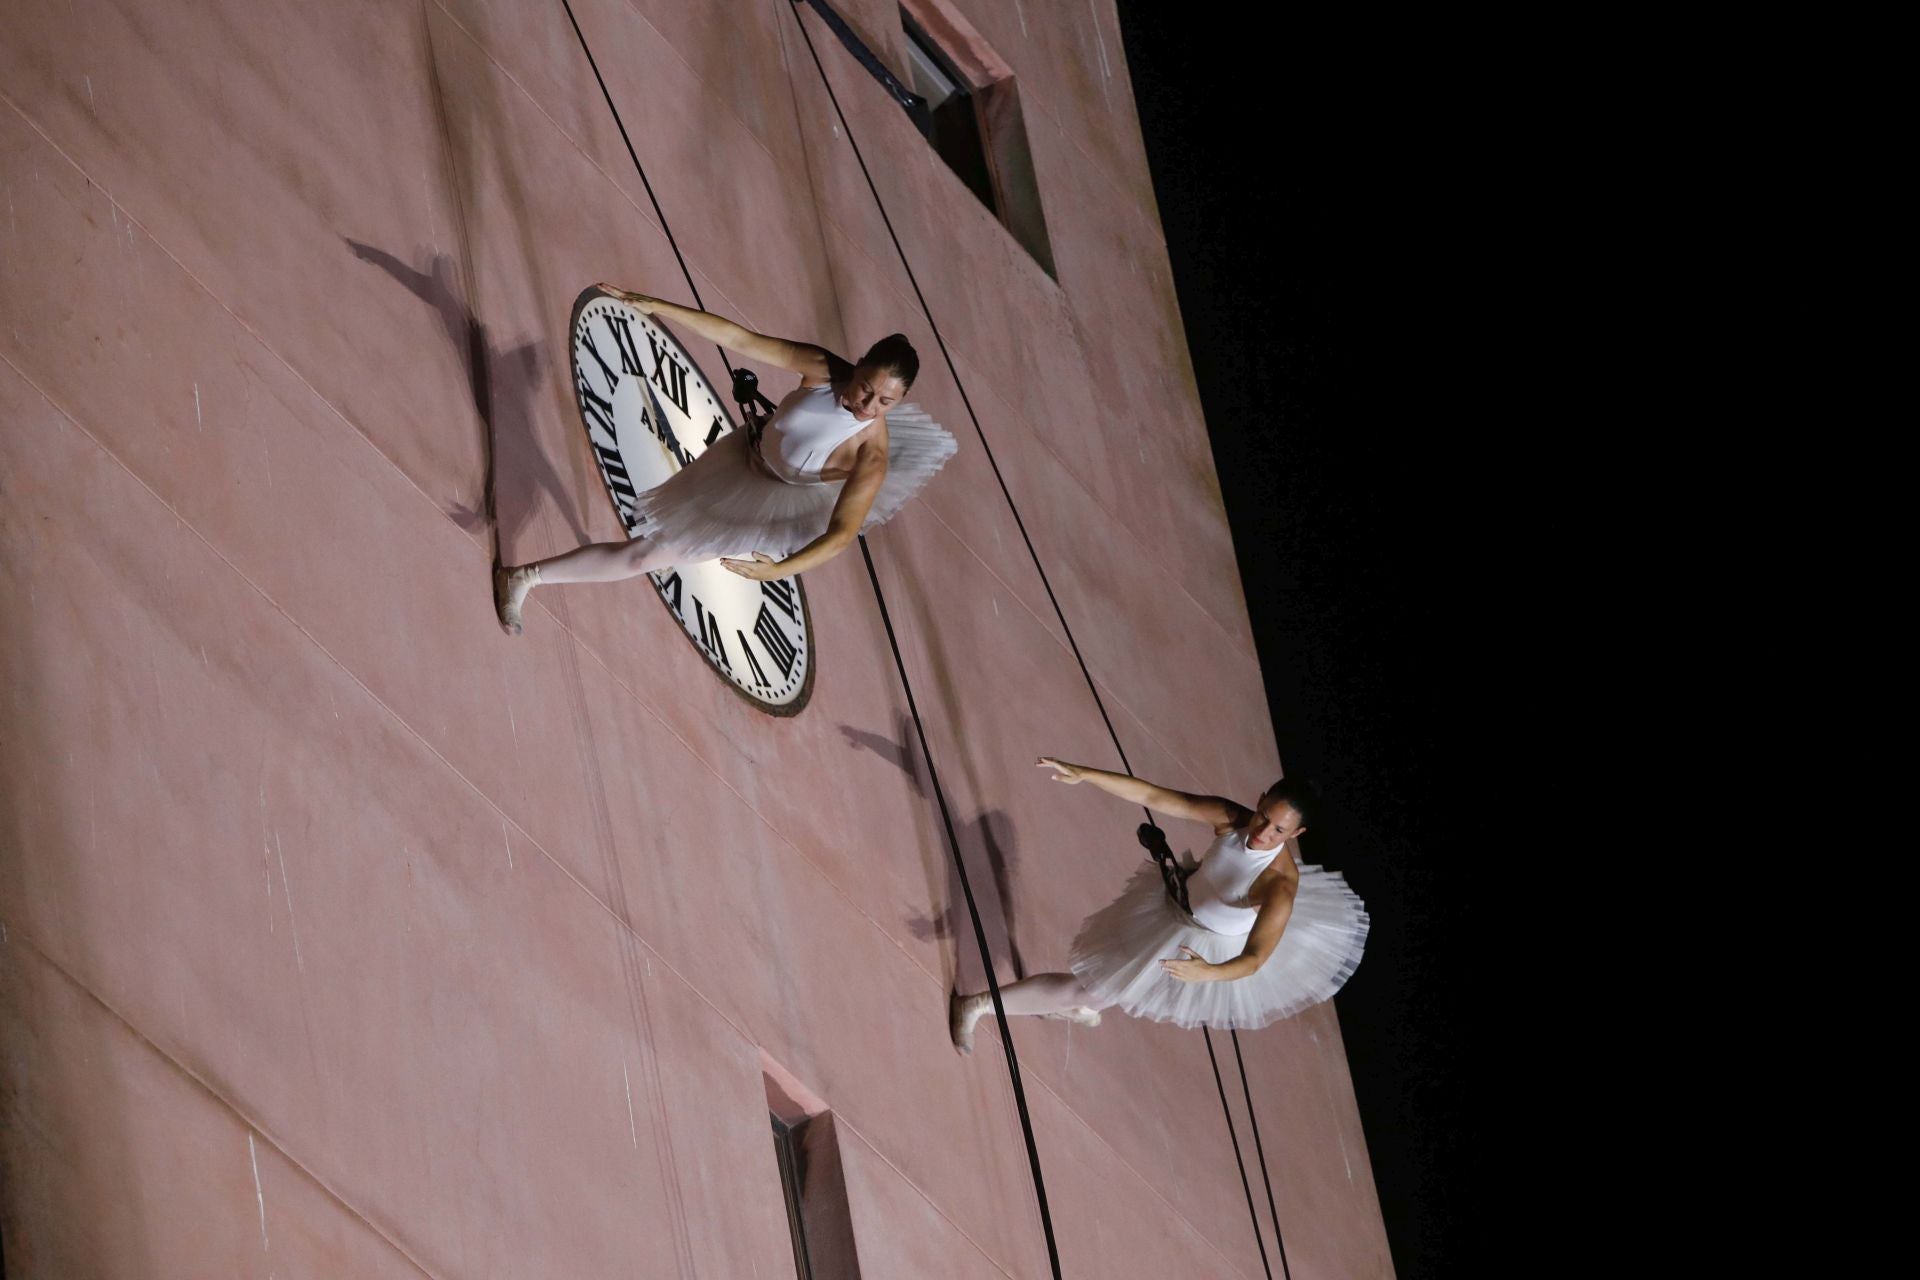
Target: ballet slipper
962	1013
510	587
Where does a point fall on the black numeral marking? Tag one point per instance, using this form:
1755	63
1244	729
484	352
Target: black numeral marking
780	591
656	420
671	585
613	379
759	674
778	647
668	374
710	638
599	412
622	330
624	495
719	428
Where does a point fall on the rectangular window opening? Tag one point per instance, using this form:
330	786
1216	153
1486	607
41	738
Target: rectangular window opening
973	119
808	1154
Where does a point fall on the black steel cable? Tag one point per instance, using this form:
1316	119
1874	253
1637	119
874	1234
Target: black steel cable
960	385
1245	1184
641	169
1260	1151
834	21
900	666
946	816
979	930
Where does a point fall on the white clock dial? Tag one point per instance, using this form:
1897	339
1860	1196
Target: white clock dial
648	411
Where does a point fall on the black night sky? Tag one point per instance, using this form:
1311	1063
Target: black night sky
1316	230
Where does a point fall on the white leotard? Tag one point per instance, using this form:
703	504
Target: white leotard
803	433
1217	890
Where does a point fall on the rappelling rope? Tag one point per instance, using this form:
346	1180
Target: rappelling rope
946	817
1176	887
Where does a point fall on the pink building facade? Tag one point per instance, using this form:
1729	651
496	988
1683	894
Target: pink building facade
342	935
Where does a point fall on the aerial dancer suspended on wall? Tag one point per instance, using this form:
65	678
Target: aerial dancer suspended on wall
840	454
1265	937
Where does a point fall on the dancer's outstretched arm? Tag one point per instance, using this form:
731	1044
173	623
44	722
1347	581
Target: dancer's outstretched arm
812	363
849	514
1275	910
1217	811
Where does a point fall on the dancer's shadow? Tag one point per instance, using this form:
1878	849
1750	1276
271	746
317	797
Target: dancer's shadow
902	751
991	834
502	381
987	842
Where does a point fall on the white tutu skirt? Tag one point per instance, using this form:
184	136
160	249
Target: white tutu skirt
723	504
1118	952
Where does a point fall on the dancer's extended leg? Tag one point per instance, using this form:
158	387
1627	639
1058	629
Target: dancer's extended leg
597	562
1047	995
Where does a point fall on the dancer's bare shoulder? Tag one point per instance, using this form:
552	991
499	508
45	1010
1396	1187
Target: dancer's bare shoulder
1232	816
822	367
1282	875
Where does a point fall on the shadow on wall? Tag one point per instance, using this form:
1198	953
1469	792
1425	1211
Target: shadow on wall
991	848
989	840
506	383
503	381
497	242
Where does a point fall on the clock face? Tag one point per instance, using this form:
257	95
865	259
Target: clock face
649	411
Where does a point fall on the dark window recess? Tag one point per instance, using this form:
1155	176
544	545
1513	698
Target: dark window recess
818	1215
975	123
952	122
792	1156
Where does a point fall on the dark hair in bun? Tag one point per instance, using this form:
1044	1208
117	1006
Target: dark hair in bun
894	355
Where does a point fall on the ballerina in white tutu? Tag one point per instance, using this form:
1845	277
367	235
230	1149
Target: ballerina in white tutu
1265	937
841	454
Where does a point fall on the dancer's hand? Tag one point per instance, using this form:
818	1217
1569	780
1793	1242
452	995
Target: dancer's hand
1067	773
638	301
762	568
1189	968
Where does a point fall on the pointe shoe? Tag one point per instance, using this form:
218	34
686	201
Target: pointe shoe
1081	1014
960	1020
510	587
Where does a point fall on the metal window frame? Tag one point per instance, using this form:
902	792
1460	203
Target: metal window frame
786	1150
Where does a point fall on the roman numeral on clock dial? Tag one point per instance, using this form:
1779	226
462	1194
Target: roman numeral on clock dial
780	591
669	374
619	483
586	340
670	588
759	672
708	628
597	410
622	330
782	650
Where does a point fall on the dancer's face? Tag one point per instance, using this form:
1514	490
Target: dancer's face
868	394
1274	823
